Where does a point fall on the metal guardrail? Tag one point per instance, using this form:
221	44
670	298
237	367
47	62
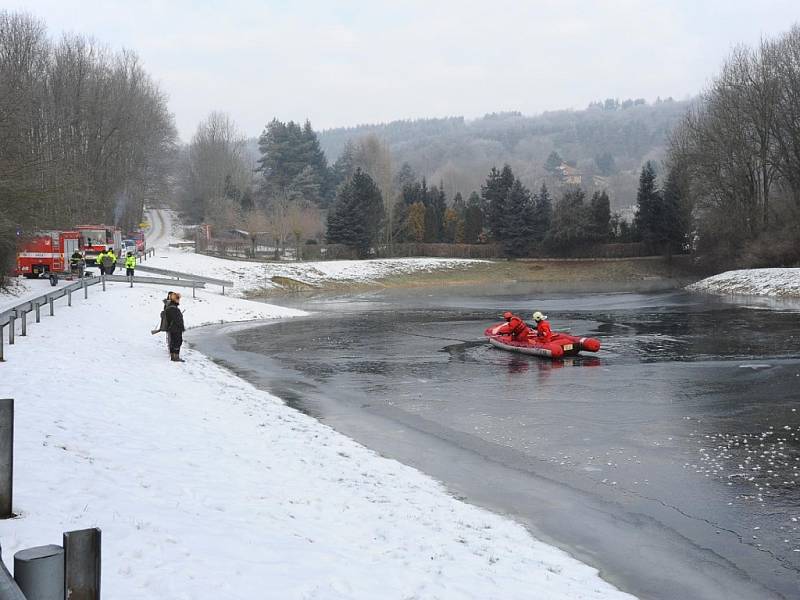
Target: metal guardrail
178	275
9	590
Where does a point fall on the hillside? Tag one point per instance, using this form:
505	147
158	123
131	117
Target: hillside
459	152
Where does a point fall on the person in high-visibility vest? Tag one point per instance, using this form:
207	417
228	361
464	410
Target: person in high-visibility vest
130	264
110	261
99	261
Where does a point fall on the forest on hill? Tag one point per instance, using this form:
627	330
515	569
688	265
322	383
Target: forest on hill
603	147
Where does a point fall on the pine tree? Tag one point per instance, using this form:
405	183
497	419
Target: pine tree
569	228
473	219
357	215
494	193
648	207
518	217
553	161
675	222
599	218
542	214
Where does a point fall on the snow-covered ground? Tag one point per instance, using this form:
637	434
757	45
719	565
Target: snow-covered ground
254	275
206	487
752	282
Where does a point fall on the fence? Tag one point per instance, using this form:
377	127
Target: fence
241	249
70	571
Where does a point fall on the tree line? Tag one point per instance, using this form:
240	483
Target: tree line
508	213
85	134
735	157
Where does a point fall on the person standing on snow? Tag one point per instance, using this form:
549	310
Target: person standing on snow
175	327
543	330
130	265
110	261
99	261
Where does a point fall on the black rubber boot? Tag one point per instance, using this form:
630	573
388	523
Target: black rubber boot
176	357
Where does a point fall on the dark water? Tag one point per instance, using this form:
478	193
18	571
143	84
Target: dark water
670	460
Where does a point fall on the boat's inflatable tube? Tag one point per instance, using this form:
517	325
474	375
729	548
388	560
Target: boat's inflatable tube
559	344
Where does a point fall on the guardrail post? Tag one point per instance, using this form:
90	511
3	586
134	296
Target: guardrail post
103	281
193	296
9	590
85	289
12	321
69	297
51	307
38	315
2	359
6	457
82	564
39	572
24	323
223	290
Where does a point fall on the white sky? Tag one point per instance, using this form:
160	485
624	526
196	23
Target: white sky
346	62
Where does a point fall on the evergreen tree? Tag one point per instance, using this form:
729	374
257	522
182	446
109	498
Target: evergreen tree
599	218
675	223
458	204
553	161
435	207
569	229
494	193
405	176
542	214
605	163
518	217
649	207
286	150
357	215
416	222
473	219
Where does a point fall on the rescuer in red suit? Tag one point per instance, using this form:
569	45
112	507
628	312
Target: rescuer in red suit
543	331
515	327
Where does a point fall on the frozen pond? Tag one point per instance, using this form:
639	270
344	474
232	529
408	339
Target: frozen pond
671	460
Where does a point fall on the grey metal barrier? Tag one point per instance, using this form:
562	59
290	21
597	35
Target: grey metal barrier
179	275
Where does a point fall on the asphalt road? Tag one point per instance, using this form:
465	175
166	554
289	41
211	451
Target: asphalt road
669	461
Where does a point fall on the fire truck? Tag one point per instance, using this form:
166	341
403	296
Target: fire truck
99	238
47	253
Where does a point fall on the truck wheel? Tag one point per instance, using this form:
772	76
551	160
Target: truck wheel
54	280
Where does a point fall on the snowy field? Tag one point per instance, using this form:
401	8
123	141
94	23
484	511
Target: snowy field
254	275
752	282
206	487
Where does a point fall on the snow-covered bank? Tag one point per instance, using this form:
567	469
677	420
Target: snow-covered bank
248	275
206	487
752	282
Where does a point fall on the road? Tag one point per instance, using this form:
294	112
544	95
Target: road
670	461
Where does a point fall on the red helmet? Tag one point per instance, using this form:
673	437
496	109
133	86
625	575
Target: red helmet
507	315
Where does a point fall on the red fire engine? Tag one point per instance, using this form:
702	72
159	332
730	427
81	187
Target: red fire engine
99	238
47	252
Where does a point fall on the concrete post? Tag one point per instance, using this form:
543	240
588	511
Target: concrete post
85	289
82	564
39	572
38	315
6	456
69	297
24	323
51	306
9	590
12	323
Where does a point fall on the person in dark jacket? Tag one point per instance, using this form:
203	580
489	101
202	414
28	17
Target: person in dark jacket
175	327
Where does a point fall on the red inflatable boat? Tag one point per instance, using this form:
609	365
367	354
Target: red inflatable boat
560	344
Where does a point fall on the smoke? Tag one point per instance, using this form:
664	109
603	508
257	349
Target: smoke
121	201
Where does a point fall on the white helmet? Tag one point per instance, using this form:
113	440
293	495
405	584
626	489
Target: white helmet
537	316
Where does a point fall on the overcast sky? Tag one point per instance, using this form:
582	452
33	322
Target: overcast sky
345	62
